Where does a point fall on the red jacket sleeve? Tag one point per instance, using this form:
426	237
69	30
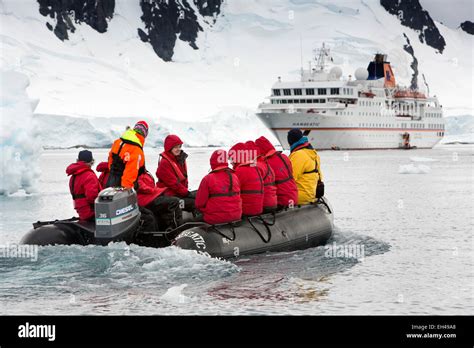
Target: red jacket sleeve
202	195
91	187
167	176
146	184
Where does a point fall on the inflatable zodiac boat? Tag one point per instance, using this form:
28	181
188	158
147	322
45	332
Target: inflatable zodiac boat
118	218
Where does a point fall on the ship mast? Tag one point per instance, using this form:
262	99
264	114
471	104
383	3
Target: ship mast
321	56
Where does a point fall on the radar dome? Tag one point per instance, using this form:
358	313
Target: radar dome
336	72
361	74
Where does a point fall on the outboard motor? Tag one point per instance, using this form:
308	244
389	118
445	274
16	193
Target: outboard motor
117	215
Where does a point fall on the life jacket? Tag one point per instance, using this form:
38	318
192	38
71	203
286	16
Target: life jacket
219	204
230	192
117	167
252	199
81	181
308	146
288	176
269	186
177	171
307	177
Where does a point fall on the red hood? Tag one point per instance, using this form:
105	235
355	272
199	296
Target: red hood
254	149
236	153
103	167
76	168
264	145
218	159
171	141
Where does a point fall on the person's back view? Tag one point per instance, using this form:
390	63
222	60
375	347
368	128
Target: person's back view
268	177
218	196
286	190
83	185
306	167
250	178
126	157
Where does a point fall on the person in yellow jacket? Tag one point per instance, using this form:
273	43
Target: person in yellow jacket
306	167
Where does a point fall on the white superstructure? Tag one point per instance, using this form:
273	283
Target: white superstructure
368	112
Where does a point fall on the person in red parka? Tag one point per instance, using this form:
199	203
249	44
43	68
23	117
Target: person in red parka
269	188
172	171
165	208
287	192
218	196
250	178
83	185
103	169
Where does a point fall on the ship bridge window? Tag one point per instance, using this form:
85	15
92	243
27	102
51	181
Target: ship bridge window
284	101
297	91
287	91
334	91
322	91
276	92
309	91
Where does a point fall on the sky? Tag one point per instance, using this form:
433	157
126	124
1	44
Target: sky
451	12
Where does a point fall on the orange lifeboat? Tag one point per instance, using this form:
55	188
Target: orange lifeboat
368	94
409	94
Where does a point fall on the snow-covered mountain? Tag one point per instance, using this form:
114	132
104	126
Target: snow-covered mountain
175	62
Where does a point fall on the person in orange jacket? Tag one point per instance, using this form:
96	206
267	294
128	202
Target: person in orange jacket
126	158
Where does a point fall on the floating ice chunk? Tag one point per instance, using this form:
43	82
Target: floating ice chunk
413	169
175	295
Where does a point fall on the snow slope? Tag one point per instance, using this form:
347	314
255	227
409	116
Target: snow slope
239	57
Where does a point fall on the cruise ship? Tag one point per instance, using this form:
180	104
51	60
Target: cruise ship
367	111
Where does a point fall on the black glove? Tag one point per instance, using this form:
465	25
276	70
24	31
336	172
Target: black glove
320	189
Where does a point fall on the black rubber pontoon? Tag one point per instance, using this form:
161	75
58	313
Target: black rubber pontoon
118	218
292	229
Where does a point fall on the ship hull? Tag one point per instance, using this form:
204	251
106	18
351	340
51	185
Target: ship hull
332	132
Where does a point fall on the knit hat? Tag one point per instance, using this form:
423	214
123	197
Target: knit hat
294	135
85	156
141	127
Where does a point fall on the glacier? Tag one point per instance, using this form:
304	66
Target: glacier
19	143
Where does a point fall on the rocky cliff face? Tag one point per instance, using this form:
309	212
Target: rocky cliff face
468	27
66	13
165	21
414	64
412	15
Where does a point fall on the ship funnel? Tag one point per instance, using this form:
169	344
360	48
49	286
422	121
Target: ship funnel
380	68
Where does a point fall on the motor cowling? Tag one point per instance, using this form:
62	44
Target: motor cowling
117	214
